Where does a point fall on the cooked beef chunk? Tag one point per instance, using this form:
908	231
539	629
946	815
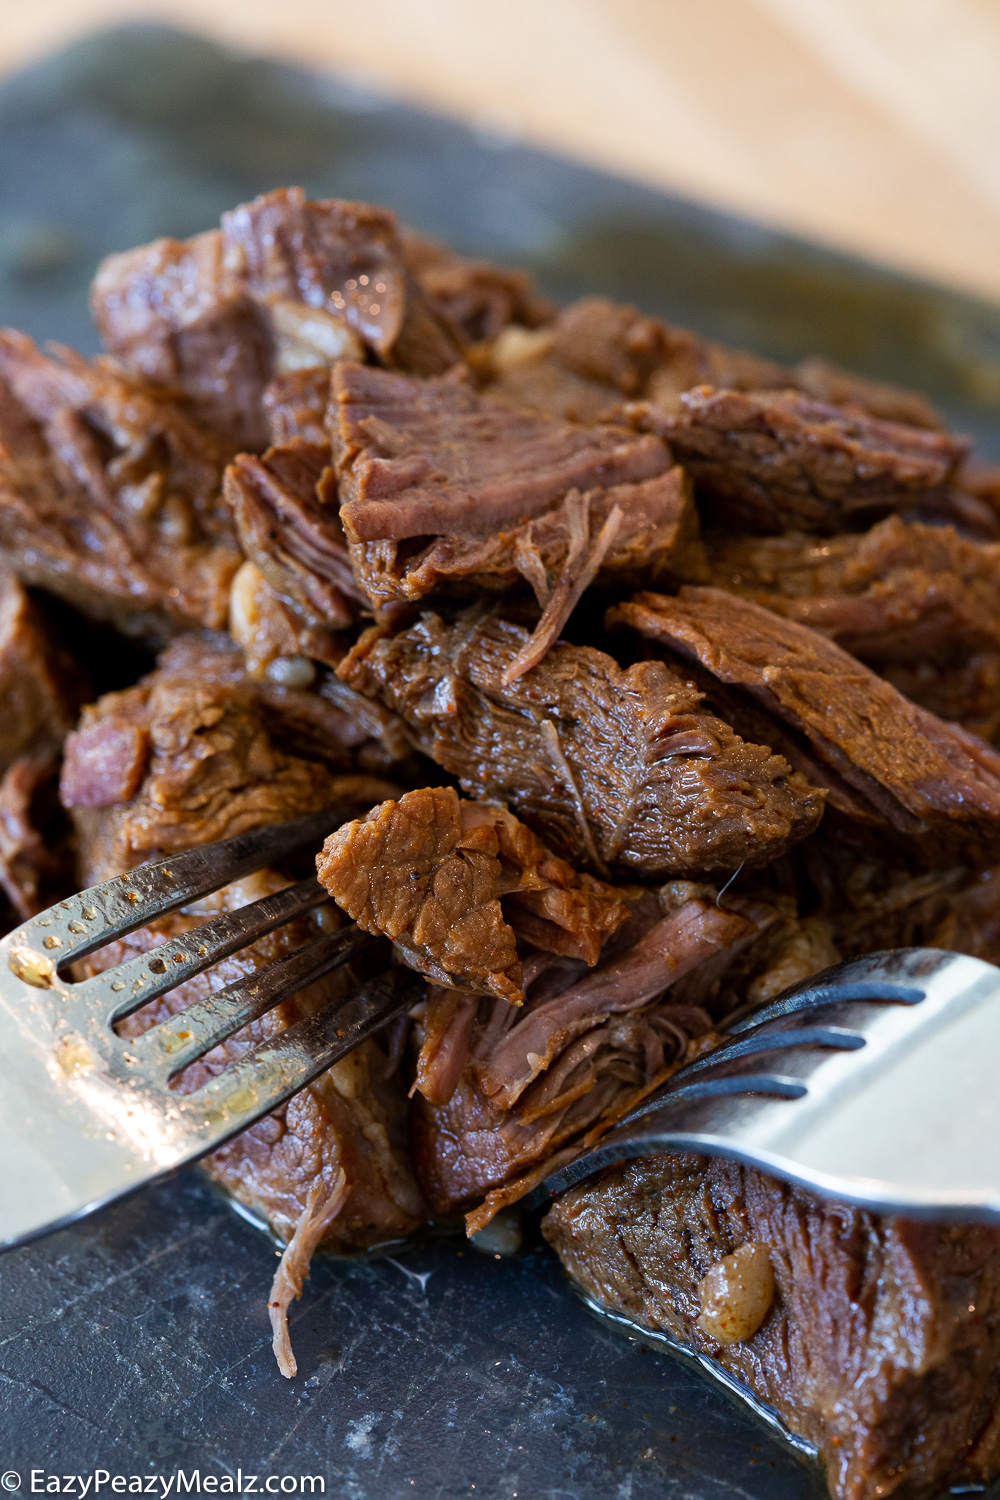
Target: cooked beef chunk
36	860
419	457
882	1341
918	603
613	768
284	507
40	686
110	495
199	751
598	354
501	1090
453	883
195	753
888	763
473	297
287	284
775	462
441	486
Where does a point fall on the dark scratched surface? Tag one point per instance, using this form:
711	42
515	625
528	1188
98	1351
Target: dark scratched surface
138	1341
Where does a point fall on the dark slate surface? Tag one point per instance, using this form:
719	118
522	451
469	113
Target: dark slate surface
137	1341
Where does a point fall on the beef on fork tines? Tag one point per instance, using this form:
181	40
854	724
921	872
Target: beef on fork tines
451	882
543	1022
198	751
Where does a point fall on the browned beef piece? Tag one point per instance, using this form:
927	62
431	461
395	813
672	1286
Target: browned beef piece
440	486
500	1091
110	496
454	883
881	1343
775	462
199	751
40	686
474	298
285	511
918	603
287	284
889	764
613	768
193	754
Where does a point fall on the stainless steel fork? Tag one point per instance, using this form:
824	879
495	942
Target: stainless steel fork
87	1115
876	1082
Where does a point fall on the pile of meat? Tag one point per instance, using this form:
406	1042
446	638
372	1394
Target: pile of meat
648	677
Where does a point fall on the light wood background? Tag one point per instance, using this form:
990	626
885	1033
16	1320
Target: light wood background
872	125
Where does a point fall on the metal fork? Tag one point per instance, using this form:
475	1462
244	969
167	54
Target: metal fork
87	1115
875	1082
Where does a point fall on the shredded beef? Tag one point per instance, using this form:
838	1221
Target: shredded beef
314	414
287	284
889	763
502	1090
881	1344
444	488
619	769
775	462
452	883
110	495
416	457
920	604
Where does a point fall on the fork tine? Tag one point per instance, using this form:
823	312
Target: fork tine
897	975
76	927
285	1063
168	1048
117	992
